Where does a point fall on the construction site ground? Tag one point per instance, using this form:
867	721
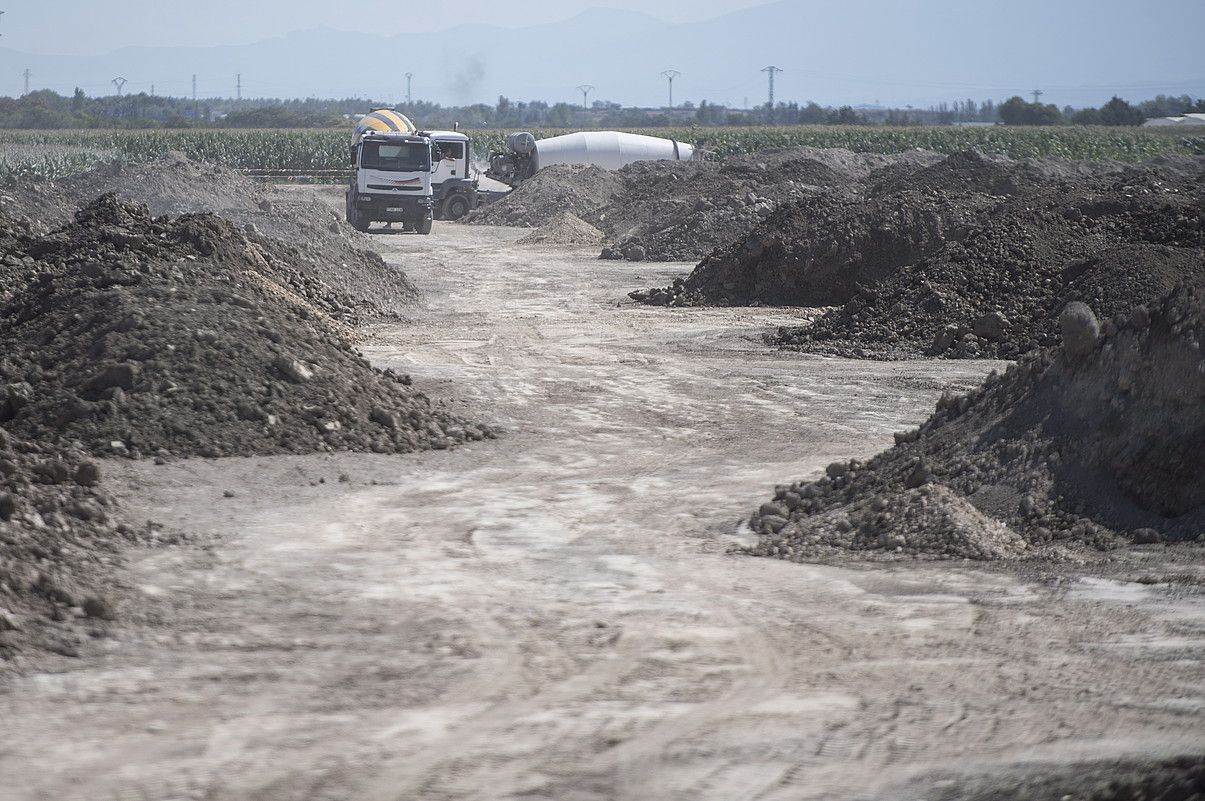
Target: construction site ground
559	613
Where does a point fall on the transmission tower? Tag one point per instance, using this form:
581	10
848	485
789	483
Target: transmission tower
1	15
1037	96
119	82
409	75
669	76
772	70
585	89
196	109
27	75
238	88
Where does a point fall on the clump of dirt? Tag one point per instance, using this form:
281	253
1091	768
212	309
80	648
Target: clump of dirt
58	541
318	242
576	189
172	337
1098	442
949	272
564	229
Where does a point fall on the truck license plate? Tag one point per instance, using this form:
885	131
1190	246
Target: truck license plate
397	209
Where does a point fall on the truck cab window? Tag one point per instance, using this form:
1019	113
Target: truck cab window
452	151
403	157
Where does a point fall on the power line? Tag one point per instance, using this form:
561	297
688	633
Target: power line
772	70
669	76
585	89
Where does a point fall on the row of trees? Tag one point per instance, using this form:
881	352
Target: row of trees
1016	111
46	109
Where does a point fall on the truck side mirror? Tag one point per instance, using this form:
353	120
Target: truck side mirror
436	156
354	148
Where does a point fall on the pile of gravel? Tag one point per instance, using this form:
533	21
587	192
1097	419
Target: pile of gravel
564	229
1099	442
318	243
577	189
944	271
171	337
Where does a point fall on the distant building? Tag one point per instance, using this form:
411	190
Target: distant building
1181	121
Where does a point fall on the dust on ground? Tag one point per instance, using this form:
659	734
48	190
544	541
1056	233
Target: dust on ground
556	614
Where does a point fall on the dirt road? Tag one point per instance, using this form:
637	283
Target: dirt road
555	615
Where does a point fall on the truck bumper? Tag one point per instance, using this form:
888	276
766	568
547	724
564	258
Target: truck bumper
392	208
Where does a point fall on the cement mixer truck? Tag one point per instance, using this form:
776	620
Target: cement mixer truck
404	175
391	173
524	154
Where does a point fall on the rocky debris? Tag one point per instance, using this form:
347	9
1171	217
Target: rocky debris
1099	444
565	188
172	337
308	235
564	229
959	272
59	539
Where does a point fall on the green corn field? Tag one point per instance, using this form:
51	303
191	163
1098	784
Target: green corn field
54	154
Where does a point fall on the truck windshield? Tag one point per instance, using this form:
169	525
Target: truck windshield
401	157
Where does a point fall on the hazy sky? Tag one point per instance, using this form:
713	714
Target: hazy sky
90	26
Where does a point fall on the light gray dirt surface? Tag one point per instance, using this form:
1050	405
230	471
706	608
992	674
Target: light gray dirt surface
556	614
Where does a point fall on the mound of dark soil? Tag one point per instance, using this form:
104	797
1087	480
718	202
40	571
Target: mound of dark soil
315	240
964	273
1100	441
821	250
577	189
143	336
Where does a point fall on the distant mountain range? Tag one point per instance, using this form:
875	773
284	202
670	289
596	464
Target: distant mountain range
891	52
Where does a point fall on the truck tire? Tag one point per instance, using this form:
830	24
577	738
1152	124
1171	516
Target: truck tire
424	224
354	218
456	207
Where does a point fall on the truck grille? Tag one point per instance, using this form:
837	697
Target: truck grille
388	188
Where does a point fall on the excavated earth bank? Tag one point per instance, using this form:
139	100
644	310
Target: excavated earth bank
969	257
1098	443
127	335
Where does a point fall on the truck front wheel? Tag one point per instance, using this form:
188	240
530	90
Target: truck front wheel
354	218
424	223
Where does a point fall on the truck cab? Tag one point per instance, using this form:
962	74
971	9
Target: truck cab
391	180
453	181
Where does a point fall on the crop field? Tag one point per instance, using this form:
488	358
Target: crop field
52	154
